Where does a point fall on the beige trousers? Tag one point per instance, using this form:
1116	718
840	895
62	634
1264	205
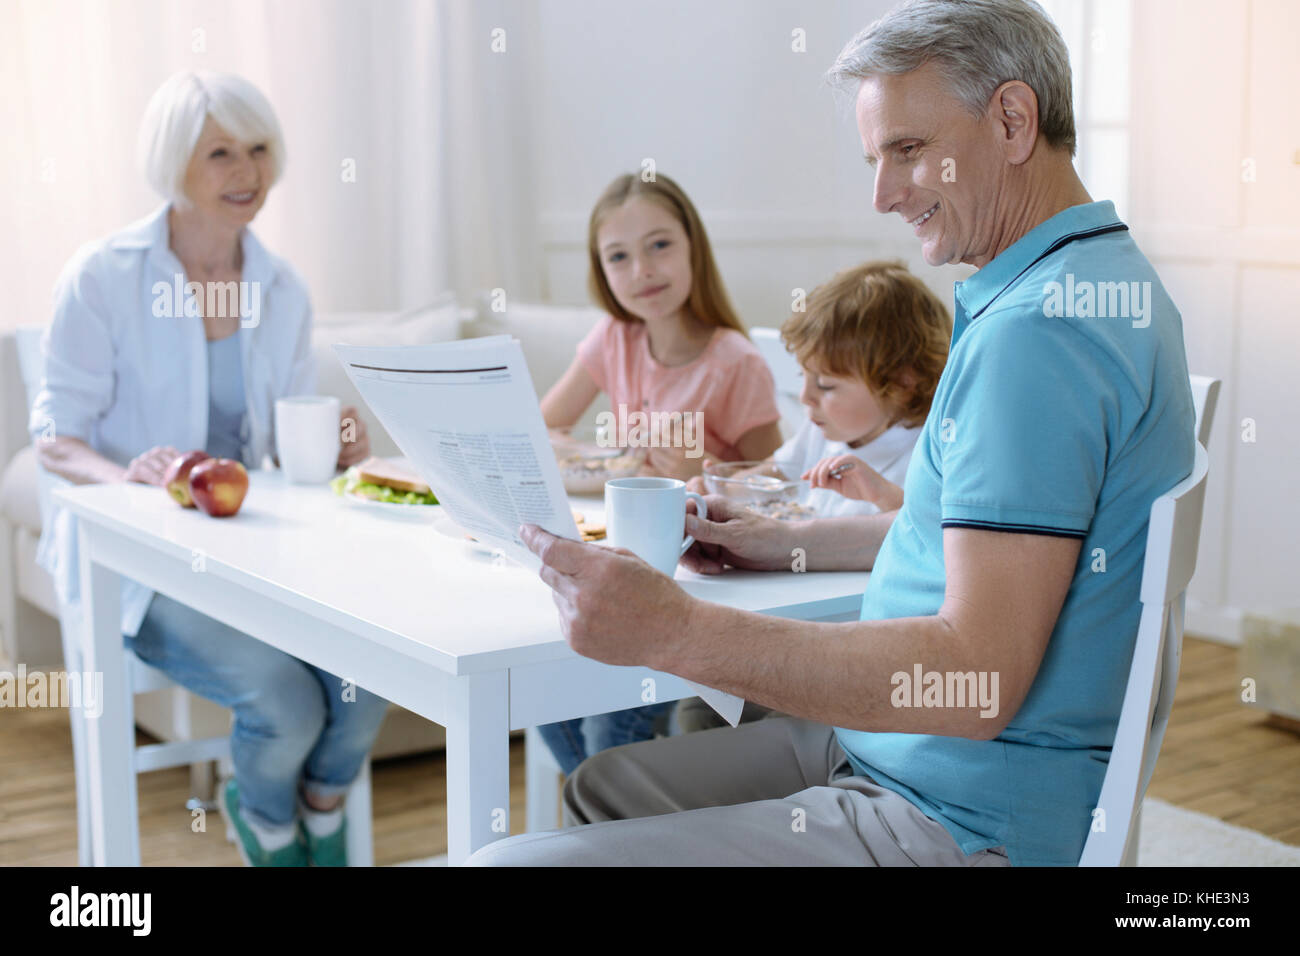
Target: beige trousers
776	792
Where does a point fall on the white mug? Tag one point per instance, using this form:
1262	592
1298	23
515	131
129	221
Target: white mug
307	437
648	517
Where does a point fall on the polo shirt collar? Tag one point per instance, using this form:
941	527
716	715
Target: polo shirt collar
974	295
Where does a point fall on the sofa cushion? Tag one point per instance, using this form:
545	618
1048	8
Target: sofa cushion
32	582
13	400
436	323
430	323
548	334
18	494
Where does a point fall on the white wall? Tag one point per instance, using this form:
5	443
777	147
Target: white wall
1216	206
402	129
716	96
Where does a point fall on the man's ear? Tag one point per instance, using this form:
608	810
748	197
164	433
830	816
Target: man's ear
1014	112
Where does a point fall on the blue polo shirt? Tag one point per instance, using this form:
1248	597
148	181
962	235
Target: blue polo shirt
1064	409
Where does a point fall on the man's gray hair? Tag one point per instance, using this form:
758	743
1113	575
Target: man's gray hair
978	45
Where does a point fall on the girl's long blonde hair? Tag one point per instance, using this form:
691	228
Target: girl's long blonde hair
708	300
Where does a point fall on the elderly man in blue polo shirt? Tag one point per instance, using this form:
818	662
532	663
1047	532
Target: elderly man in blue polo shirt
967	718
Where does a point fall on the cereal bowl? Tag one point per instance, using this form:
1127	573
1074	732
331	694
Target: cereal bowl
773	489
587	459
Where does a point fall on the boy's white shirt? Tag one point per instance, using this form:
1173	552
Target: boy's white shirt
888	454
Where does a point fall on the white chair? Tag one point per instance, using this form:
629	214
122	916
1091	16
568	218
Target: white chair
1172	537
142	678
788	375
1205	396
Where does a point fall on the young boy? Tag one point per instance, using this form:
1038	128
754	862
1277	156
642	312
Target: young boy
872	343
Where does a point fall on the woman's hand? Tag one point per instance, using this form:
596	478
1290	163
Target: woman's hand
150	467
355	440
860	482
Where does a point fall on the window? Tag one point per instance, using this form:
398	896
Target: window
1097	34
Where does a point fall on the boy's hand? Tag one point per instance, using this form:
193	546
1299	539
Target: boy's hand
861	482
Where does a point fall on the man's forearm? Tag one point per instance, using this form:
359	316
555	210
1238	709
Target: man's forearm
837	674
850	543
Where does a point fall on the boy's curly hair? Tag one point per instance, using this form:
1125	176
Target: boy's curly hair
874	322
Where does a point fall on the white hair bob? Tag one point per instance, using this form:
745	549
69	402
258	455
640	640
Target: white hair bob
174	119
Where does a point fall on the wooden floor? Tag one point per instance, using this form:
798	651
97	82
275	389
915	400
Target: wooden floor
1219	758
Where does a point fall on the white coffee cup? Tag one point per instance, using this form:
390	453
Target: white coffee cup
307	437
648	517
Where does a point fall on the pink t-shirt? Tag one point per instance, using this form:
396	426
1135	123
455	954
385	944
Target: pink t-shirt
729	383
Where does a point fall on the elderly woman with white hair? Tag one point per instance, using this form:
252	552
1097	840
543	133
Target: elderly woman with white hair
131	376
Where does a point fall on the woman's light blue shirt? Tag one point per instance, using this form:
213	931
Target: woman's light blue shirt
126	368
227	411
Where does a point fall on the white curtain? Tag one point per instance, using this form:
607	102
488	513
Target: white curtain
411	93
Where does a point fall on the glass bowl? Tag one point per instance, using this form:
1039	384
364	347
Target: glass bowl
588	458
770	488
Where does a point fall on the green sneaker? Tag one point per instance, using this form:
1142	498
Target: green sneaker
331	850
245	840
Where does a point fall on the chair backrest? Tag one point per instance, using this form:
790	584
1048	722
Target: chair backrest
787	373
1205	396
785	368
1173	534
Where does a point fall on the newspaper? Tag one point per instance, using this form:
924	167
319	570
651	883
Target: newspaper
465	414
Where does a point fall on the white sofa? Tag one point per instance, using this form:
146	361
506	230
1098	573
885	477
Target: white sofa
28	611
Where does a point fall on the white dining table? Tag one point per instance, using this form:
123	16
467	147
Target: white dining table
385	599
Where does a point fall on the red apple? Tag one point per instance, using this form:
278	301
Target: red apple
177	478
218	486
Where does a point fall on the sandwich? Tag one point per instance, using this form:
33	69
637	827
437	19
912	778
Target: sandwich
386	480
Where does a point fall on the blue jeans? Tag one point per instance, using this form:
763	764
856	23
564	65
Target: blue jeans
293	721
573	741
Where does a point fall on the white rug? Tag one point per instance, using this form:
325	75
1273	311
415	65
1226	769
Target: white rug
1172	836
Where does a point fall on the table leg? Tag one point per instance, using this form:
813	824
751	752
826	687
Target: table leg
360	817
110	736
543	783
478	763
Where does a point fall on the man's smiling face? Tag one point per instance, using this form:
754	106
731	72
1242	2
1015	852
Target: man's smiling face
914	130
